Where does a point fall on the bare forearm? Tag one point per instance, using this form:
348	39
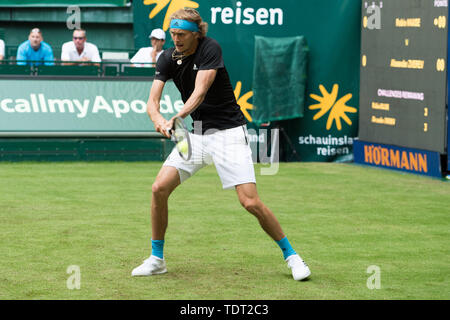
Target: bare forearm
153	110
203	82
191	104
153	107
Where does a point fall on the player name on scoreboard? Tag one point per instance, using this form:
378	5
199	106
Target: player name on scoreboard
408	22
407	64
383	120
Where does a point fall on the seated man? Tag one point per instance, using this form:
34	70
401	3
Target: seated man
79	49
150	54
2	49
35	50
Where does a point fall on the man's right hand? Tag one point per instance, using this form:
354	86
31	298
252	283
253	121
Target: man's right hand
161	126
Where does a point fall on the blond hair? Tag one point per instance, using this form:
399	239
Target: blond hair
192	15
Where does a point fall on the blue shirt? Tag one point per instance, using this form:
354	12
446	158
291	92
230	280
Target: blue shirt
26	52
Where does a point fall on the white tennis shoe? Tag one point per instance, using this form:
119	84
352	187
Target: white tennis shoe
152	265
299	268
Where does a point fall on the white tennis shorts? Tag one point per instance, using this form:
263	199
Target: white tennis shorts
228	149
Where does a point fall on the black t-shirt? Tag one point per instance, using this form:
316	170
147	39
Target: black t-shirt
219	110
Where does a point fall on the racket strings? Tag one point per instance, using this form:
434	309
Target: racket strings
180	134
179	131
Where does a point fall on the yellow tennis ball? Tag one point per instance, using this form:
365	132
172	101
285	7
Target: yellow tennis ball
183	146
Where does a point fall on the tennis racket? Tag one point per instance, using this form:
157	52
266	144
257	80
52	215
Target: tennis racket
180	136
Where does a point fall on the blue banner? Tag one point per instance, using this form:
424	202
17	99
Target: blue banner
398	158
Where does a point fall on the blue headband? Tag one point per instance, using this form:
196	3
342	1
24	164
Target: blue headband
184	25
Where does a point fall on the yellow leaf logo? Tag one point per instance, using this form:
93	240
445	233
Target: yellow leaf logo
243	101
328	102
173	6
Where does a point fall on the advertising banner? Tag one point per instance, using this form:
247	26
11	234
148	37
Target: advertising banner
72	107
398	158
63	3
332	32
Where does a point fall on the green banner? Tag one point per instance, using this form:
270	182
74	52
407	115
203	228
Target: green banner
332	31
63	3
63	107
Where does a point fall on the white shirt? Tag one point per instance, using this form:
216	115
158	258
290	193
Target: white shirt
144	55
2	47
69	52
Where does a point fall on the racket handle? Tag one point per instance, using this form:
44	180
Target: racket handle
172	137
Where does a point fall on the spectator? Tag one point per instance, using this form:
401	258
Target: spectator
2	49
150	54
79	49
35	50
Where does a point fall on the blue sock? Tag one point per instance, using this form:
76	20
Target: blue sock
286	247
158	248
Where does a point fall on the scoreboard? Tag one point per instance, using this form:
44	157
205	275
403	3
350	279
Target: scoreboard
403	78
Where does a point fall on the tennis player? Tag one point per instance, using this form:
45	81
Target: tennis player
220	136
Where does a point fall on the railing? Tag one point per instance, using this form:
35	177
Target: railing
11	51
110	69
